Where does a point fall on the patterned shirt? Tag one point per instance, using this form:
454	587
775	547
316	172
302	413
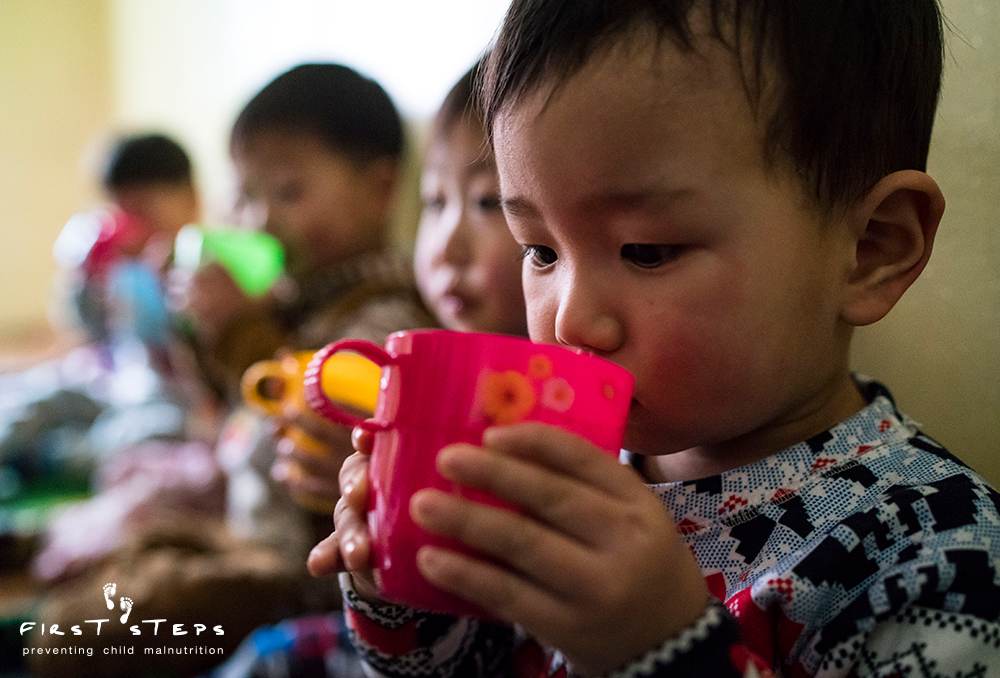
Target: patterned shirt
867	551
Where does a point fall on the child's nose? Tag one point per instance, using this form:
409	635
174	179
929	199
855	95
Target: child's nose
457	251
585	318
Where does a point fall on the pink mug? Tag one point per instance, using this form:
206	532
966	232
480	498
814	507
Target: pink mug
440	387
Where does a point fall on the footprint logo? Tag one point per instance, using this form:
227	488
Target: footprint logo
109	593
127	607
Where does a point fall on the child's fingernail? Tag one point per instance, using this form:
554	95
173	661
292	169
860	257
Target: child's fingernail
422	507
429	561
446	458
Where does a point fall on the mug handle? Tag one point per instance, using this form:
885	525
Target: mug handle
250	386
312	379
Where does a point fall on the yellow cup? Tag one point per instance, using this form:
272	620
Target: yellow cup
275	388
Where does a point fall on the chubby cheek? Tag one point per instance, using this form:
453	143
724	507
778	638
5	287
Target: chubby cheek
541	309
690	388
502	294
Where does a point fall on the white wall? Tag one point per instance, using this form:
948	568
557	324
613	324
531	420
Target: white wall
190	65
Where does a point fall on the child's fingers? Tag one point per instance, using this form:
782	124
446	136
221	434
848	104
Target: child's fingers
353	480
319	494
492	588
350	516
586	512
319	461
330	433
362	440
351	528
564	453
540	554
324	559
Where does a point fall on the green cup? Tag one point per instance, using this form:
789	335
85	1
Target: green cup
255	260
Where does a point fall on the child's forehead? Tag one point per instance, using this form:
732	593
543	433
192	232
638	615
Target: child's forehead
464	138
642	68
286	150
649	96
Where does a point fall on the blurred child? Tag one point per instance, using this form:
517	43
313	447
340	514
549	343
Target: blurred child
468	272
317	155
149	184
466	261
712	194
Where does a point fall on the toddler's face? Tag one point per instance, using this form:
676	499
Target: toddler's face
467	264
658	238
322	207
164	207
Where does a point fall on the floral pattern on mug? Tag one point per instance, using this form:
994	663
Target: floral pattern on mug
507	397
557	394
510	396
539	367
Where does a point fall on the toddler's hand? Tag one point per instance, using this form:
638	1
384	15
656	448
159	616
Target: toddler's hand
209	297
593	566
348	549
311	452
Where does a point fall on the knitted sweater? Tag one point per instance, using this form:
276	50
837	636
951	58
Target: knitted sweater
867	550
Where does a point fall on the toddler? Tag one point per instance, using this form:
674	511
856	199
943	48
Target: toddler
468	272
467	263
317	154
712	194
148	181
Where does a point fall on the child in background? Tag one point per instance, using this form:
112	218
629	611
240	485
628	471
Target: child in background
465	260
317	155
468	272
113	261
149	183
712	194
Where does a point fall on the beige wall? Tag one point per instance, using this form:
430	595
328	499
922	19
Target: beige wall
939	349
187	65
54	95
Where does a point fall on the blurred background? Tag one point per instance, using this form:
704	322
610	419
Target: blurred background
74	71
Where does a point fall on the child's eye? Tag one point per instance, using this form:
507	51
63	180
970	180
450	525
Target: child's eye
488	203
649	256
539	255
433	203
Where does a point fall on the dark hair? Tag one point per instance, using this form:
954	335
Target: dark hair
350	113
857	81
142	159
461	103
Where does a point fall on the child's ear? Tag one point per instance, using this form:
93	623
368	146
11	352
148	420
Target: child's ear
896	223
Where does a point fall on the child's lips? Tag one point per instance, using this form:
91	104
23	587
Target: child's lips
457	303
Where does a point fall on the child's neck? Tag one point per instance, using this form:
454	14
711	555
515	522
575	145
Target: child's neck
822	413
